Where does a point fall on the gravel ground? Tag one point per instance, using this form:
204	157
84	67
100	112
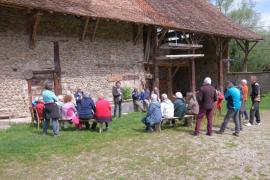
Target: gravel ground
169	155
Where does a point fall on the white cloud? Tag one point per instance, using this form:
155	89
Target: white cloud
265	18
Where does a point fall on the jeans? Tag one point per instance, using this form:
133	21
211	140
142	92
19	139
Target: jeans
255	112
209	115
55	126
231	113
119	106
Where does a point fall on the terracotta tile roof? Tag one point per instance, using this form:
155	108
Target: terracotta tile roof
188	15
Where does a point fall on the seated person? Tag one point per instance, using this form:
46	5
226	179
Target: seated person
192	104
179	105
69	112
154	115
86	109
39	108
103	111
136	100
167	107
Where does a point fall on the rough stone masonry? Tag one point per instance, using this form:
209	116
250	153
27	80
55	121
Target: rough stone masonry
92	66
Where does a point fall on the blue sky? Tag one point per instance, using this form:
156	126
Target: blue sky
263	7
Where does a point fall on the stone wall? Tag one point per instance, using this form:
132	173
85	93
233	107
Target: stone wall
263	78
89	65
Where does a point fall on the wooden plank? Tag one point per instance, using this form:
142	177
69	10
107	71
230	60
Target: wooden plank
181	46
252	47
95	30
154	51
239	44
33	37
180	56
86	22
148	44
57	67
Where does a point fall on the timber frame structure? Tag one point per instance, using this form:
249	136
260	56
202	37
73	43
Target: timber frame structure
147	16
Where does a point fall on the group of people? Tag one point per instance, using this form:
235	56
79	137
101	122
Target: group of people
73	108
78	107
205	103
165	108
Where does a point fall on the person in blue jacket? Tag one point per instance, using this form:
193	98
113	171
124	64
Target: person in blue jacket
233	98
154	115
86	109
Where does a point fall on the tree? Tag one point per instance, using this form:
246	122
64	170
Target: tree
224	5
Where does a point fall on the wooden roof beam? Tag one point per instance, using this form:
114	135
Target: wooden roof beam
95	30
33	36
163	33
138	29
85	27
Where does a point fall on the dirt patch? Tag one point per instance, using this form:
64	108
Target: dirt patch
169	155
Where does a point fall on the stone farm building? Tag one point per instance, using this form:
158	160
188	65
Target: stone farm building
92	43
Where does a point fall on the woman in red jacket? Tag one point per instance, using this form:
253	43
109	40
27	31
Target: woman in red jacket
103	111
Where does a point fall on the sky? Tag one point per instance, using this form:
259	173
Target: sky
263	7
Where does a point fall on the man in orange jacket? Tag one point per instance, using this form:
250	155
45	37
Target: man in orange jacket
245	98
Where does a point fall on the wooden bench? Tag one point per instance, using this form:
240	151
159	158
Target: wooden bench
188	118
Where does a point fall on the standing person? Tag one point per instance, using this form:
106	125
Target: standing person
245	97
136	101
117	93
256	99
86	110
233	98
206	98
154	115
51	110
103	111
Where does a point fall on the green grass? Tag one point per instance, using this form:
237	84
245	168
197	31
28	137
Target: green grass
264	105
26	144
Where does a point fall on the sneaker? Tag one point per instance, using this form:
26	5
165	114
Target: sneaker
208	134
195	134
248	124
236	134
220	132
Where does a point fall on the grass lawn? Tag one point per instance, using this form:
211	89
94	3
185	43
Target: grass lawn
26	145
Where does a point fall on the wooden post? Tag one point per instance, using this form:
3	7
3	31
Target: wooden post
29	83
193	76
154	51
246	49
170	79
57	67
245	60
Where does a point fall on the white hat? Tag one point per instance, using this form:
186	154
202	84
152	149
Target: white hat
178	95
154	97
207	80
